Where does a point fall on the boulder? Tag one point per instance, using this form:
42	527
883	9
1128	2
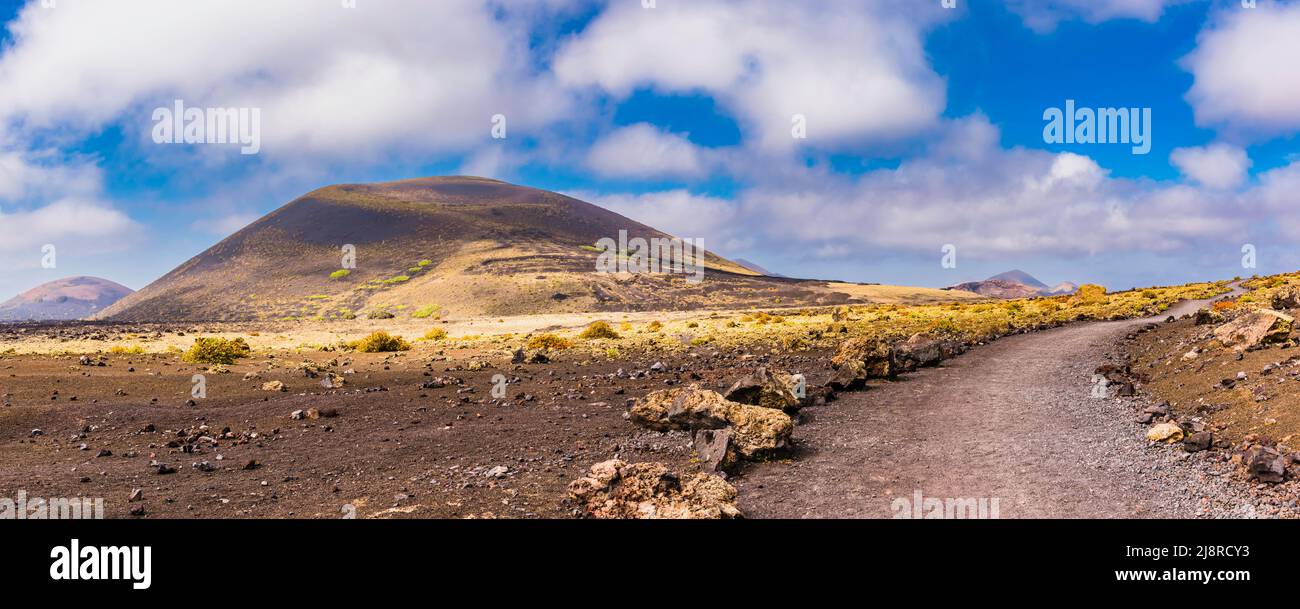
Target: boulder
759	432
1254	329
873	354
683	408
618	490
1165	432
1265	464
918	351
756	431
769	389
1208	316
713	448
1288	297
1198	442
274	386
849	377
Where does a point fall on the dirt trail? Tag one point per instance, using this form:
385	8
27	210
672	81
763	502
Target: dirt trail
1012	420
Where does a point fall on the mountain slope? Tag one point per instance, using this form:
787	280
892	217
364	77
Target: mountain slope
1014	284
1020	277
439	246
63	299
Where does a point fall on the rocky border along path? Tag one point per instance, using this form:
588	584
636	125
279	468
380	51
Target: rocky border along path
1013	420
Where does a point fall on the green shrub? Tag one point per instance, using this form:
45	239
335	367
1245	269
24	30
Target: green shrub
396	280
435	334
216	351
380	314
598	329
426	311
339	274
549	342
1090	294
132	350
381	342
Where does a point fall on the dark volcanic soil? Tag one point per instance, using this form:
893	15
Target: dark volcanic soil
395	449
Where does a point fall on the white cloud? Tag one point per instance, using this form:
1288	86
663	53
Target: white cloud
990	202
1245	78
1217	166
681	214
1044	15
329	80
73	226
643	151
43	174
856	70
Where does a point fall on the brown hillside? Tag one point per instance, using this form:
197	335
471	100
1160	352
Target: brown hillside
438	247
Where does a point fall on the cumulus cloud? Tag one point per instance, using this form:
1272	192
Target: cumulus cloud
643	151
33	175
1244	79
990	202
1218	166
680	213
50	199
71	225
1045	15
856	71
329	80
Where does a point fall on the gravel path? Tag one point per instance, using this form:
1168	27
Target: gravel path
1012	420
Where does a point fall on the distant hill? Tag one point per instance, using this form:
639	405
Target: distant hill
1014	284
453	246
1020	277
754	266
63	299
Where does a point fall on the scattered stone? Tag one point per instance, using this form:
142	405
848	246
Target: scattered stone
499	471
274	386
1165	432
1198	442
1265	464
136	495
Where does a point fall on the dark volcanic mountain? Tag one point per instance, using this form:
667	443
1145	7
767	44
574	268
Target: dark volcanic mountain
1020	277
455	246
1014	284
63	299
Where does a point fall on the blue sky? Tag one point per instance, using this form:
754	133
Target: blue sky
924	126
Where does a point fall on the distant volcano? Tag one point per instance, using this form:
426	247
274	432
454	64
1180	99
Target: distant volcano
63	299
1014	284
454	246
